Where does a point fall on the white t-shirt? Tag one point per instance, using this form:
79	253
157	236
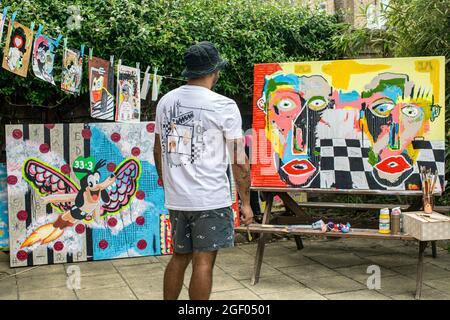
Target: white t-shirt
193	123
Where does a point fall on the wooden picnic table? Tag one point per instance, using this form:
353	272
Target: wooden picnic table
268	226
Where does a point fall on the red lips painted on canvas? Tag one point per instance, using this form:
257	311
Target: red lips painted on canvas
393	165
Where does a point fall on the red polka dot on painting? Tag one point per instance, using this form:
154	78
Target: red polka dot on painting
140	221
112	222
17	134
135	151
65	168
86	133
140	195
160	183
44	148
142	244
103	244
58	246
80	228
151	127
22	255
12	180
49	125
115	137
111	167
22	215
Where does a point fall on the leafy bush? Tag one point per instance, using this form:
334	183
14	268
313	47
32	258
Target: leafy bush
156	32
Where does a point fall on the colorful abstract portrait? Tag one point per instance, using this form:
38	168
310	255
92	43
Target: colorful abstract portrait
353	124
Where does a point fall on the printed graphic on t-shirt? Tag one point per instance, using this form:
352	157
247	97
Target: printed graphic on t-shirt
182	134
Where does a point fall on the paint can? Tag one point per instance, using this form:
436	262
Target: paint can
395	220
384	221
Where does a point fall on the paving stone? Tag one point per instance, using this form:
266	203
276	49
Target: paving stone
399	284
250	248
41	282
430	271
40	271
5	269
134	261
333	284
442	284
117	293
292	259
93	267
427	294
158	295
48	294
332	260
442	260
308	271
243	258
299	294
357	295
8	289
359	273
140	285
141	270
323	250
273	284
245	271
101	281
164	259
236	294
392	260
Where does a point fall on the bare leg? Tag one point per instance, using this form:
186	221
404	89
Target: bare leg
174	275
202	273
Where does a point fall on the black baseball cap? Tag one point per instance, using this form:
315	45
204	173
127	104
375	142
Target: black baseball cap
202	59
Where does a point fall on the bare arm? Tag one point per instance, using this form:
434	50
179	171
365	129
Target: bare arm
241	173
157	156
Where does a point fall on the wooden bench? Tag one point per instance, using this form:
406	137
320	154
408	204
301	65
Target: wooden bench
268	226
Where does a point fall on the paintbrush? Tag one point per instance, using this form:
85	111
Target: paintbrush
250	238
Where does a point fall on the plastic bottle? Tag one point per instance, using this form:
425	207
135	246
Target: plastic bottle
395	220
384	224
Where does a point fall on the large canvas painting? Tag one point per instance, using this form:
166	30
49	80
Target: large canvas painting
4	234
80	192
349	124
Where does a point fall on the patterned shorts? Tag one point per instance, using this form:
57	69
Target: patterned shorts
208	230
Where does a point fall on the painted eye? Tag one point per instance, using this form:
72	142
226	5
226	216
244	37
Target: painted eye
91	181
286	104
317	103
411	111
383	109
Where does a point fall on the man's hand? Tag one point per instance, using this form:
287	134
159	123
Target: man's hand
246	214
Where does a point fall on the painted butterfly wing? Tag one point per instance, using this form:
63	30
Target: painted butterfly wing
49	181
125	186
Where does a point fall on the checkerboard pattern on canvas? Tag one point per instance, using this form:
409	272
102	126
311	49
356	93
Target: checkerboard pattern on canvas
344	164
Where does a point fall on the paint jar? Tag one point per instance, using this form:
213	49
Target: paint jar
384	223
395	220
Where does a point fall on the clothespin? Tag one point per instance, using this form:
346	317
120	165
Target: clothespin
5	11
65	43
82	51
111	61
138	64
32	26
58	40
155	86
91	52
38	32
13	17
145	84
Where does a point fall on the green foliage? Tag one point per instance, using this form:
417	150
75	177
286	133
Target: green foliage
413	28
156	32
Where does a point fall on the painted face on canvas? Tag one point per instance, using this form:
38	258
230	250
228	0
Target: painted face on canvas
293	105
395	113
